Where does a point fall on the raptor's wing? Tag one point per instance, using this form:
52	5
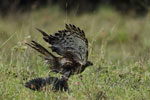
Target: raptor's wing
70	42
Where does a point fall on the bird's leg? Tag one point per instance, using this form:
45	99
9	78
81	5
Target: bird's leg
67	75
61	84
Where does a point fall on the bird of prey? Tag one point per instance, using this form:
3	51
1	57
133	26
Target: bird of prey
72	47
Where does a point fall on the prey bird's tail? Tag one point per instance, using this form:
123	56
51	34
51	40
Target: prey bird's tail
40	83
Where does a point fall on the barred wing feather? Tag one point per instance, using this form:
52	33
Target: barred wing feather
70	43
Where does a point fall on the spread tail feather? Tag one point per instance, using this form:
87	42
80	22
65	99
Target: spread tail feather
41	49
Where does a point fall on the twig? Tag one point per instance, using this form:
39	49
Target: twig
7	40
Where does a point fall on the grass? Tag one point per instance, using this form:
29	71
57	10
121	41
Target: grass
118	46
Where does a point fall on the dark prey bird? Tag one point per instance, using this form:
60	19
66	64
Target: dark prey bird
72	47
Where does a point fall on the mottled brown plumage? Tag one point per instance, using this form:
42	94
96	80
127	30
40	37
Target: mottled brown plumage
72	46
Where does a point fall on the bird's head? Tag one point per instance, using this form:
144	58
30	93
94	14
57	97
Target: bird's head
89	63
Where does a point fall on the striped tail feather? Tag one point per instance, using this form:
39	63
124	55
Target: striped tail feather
41	50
